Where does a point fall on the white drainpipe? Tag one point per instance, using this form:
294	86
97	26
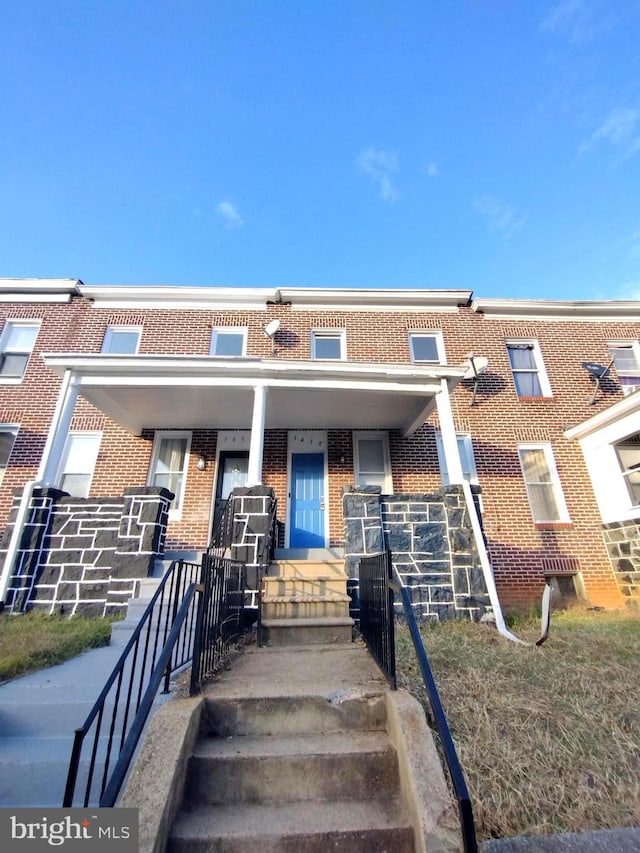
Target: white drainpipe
486	567
16	536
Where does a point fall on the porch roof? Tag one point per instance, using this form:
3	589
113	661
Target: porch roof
161	392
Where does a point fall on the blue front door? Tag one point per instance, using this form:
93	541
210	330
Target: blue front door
307	501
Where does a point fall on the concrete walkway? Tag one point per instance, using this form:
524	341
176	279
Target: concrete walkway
38	715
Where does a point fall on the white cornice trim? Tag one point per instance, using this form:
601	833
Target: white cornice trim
543	309
256	298
358	298
38	289
626	406
135	296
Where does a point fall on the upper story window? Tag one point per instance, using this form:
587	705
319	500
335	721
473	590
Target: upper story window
529	375
543	484
78	463
121	340
7	438
16	344
467	459
626	358
330	345
228	341
427	347
628	452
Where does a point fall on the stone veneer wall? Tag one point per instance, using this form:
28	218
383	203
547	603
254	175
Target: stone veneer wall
85	555
251	514
432	547
622	540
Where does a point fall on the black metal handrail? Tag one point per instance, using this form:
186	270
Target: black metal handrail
376	612
222	536
220	617
377	588
465	810
160	644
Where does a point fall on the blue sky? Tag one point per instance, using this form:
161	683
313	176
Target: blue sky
483	144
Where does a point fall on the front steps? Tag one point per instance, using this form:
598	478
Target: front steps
305	601
302	766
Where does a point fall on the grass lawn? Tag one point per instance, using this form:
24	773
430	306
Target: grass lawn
35	641
549	737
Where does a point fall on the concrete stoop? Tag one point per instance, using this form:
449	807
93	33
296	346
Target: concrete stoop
305	601
294	775
300	749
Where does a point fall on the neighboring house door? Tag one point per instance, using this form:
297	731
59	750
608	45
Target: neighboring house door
232	474
307	501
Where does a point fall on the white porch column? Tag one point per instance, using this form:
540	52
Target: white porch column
58	430
256	448
448	432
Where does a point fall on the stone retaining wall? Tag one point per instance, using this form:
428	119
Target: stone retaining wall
622	540
85	555
432	547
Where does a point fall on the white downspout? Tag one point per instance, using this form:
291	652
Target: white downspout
16	536
487	571
454	468
60	423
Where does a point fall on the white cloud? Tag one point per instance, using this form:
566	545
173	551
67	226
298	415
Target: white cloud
432	170
574	19
229	212
379	166
620	129
501	217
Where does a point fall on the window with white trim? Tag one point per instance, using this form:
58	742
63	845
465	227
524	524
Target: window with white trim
626	359
372	462
628	453
121	340
7	438
427	347
228	341
78	463
527	367
543	483
169	463
328	345
467	458
16	344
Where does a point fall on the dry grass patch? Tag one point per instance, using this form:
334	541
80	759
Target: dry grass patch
35	641
549	737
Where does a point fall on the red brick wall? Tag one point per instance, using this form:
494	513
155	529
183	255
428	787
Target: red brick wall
498	421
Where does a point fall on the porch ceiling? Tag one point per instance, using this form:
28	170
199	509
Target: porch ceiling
189	393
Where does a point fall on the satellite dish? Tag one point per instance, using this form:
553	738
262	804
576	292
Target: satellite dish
271	328
598	371
476	365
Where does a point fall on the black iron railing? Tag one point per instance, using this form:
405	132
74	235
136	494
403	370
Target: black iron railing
377	588
222	537
220	620
376	612
161	643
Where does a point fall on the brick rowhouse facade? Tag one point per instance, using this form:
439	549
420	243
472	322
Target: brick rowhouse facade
523	553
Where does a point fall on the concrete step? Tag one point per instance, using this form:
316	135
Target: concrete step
342	826
298	632
330	606
321	585
307	569
272	769
333	553
293	715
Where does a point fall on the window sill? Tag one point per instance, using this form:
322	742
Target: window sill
11	380
553	525
540	399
